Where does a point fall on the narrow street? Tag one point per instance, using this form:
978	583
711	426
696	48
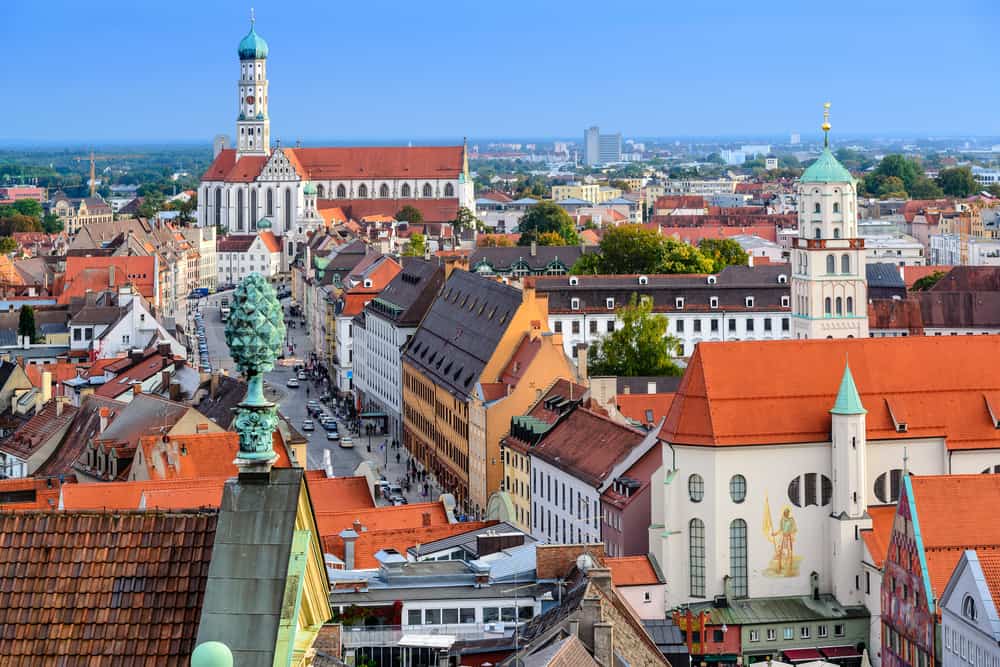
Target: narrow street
322	453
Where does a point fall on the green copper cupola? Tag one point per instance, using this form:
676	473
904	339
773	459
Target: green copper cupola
253	46
848	401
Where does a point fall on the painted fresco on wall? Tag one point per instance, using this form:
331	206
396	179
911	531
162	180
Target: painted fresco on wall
781	532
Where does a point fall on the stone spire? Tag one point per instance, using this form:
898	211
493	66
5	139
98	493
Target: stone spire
255	333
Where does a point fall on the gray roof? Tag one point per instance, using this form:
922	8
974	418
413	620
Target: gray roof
503	259
96	315
462	329
145	414
883	274
245	589
219	408
467	540
8	336
408	296
6	370
778	610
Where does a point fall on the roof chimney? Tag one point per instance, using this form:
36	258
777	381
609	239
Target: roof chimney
137	388
426	517
581	362
349	537
213	384
46	386
104	414
60	402
357	526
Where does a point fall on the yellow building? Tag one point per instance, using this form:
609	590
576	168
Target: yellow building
586	191
75	213
482	354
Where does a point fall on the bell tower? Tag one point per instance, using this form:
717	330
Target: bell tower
829	288
253	127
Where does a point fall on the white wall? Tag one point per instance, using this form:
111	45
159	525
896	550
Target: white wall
652	608
549	484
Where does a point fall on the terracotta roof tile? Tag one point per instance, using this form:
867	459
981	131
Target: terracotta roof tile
912	274
38	430
90	587
344	493
433	210
942	383
989	562
330	521
270	241
31	493
877	538
645	408
378	162
145	494
400	539
93	274
198	455
632	571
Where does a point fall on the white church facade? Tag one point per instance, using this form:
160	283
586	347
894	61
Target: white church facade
254	181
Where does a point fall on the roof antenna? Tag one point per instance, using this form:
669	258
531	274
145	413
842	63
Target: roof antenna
906	462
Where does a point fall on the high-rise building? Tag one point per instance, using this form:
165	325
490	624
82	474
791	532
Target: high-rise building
795	139
601	148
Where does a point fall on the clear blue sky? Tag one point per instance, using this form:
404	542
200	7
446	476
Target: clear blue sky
135	70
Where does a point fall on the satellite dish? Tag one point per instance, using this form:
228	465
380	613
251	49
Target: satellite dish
585	562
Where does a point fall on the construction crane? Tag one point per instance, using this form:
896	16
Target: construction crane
93	160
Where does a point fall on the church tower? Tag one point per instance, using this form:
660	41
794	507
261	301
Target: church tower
829	288
849	511
253	127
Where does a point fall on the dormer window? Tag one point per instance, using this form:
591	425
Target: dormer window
574	304
712	280
610	303
713	302
573	280
785	301
749	302
679	303
643	280
782	279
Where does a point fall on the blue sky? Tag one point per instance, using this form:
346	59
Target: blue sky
136	70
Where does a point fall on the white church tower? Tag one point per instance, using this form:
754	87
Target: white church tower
849	512
253	127
829	288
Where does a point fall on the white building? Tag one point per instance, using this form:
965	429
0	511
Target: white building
946	249
252	181
740	303
898	249
600	148
986	177
829	294
203	240
758	247
970	624
118	324
239	255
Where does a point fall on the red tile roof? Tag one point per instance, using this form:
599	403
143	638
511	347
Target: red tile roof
31	493
140	372
709	231
989	562
912	274
433	210
942	384
38	430
93	274
91	588
679	201
270	241
400	539
639	407
145	494
198	455
226	168
340	493
61	371
344	163
877	537
632	571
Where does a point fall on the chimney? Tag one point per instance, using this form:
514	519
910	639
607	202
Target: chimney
600	577
20	359
111	276
534	248
349	537
46	386
426	517
60	402
581	362
358	528
104	414
604	644
137	389
750	259
651	387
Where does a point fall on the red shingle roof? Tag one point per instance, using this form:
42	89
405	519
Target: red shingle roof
38	430
632	571
343	163
102	589
343	493
877	538
93	274
433	210
198	455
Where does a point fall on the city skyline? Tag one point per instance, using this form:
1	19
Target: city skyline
410	78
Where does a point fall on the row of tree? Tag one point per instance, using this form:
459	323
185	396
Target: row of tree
633	249
899	177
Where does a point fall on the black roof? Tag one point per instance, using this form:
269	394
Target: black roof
883	274
462	329
537	258
6	368
408	296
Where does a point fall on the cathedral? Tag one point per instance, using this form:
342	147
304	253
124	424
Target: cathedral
291	186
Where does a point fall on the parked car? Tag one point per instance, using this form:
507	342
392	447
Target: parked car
347	442
398	500
292	382
308	425
391	490
302	375
332	435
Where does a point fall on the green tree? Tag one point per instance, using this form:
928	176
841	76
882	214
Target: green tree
927	282
892	187
640	346
896	165
26	323
410	214
52	224
550	238
544	217
152	203
634	249
723	252
7	245
417	245
465	219
28	207
621	185
925	188
957	182
187	207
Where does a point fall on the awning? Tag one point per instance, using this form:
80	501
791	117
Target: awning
427	641
840	651
802	654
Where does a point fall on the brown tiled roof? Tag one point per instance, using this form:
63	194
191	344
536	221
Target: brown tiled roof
100	589
32	435
86	424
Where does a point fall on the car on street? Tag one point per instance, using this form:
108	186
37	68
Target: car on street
292	382
347	442
308	425
332	435
397	500
390	490
302	375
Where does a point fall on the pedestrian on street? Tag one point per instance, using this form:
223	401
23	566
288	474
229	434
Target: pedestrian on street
397	457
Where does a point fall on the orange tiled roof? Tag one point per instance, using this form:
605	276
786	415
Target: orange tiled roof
61	371
93	274
198	455
80	587
129	495
34	433
331	522
184	494
989	562
270	241
636	406
632	571
938	385
338	493
400	539
877	538
227	168
31	493
343	163
912	274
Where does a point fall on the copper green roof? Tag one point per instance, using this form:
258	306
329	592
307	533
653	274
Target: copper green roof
253	46
309	189
826	169
848	400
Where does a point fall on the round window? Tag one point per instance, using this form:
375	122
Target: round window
696	488
738	488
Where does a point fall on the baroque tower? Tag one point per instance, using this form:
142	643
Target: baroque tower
829	288
253	127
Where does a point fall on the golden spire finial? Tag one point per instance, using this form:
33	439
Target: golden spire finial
826	125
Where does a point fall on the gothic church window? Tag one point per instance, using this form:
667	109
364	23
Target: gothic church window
239	210
383	191
341	191
449	190
269	202
363	191
218	206
288	208
320	191
427	190
406	190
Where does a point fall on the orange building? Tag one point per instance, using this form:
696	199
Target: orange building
482	354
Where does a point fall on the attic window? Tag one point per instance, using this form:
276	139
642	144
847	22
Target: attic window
610	302
749	302
368	283
679	303
643	280
713	302
785	302
712	280
782	279
573	280
574	304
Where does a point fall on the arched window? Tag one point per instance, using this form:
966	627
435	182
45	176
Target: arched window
816	208
449	190
696	555
831	264
383	191
253	209
320	191
836	232
894	477
239	210
969	608
818	233
840	306
288	208
341	191
218	206
810	489
269	202
845	263
836	207
738	488
363	191
738	557
406	190
427	190
850	305
696	488
826	306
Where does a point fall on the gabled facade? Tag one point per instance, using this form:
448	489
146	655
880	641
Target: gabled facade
970	624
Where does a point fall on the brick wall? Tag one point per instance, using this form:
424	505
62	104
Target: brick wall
554	561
